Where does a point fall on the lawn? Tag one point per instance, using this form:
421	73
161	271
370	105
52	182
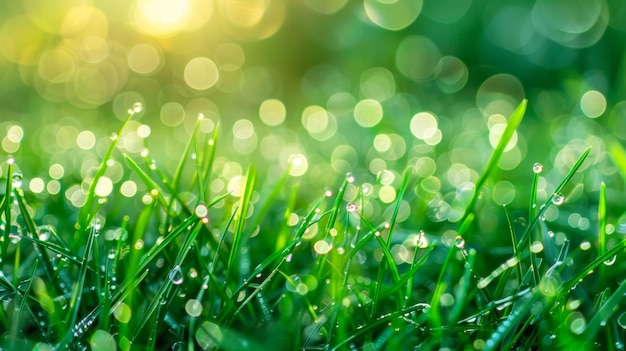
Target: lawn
312	175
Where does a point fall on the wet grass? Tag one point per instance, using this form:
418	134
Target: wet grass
264	270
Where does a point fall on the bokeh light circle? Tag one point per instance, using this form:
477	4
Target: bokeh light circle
500	93
201	73
393	14
368	113
417	58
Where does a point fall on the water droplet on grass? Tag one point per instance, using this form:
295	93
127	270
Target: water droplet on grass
558	199
351	207
176	275
459	242
350	177
610	261
421	241
537	168
114	136
10	160
16	179
137	107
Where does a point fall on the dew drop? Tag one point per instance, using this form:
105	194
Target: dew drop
137	107
10	160
537	168
611	261
114	136
459	242
421	241
176	275
350	177
351	207
558	199
328	193
97	223
16	179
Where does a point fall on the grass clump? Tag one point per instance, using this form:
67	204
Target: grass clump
258	268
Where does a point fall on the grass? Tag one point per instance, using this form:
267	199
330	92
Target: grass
219	271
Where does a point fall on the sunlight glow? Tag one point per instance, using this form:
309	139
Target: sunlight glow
162	17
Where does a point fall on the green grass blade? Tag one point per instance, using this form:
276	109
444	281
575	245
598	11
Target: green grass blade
233	269
567	287
602	230
7	212
408	276
271	198
32	229
618	154
145	178
557	192
77	294
492	164
605	312
167	285
208	159
20	307
86	213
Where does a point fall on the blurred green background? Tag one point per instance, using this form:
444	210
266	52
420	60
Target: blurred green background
331	86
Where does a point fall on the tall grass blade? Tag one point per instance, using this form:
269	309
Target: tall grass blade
492	164
86	213
233	269
6	204
77	293
602	230
557	193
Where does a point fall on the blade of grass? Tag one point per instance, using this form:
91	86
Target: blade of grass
618	154
377	323
209	153
19	309
271	198
233	269
511	126
604	313
167	285
7	211
569	285
385	246
557	192
145	178
86	213
32	229
602	230
77	294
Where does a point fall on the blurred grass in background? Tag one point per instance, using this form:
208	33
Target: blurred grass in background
328	86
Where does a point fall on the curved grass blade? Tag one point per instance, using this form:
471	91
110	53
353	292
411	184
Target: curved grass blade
492	164
86	213
604	313
145	178
557	191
